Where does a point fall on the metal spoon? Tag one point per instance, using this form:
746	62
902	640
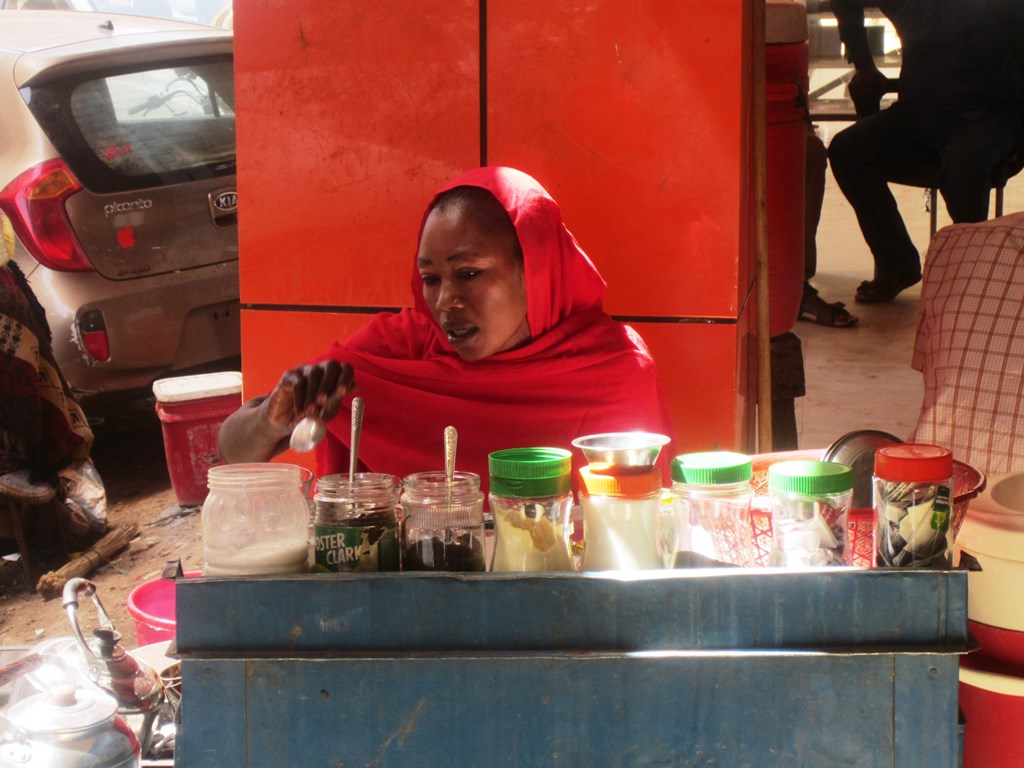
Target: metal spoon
357	429
451	441
307	434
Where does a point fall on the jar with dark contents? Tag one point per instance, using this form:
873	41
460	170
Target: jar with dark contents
443	523
355	525
913	494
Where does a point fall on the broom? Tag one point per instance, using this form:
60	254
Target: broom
51	584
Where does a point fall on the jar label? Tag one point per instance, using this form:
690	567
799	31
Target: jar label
360	549
940	512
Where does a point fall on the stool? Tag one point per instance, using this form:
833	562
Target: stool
17	496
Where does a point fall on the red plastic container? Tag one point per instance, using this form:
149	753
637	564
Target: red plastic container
191	410
153	606
991	703
786	147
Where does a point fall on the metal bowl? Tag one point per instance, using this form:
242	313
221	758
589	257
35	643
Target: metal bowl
632	449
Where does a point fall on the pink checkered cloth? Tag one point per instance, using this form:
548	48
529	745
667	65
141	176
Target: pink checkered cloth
970	344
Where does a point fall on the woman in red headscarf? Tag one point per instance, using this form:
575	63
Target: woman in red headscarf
506	341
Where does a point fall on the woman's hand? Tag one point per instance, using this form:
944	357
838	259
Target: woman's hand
260	429
312	390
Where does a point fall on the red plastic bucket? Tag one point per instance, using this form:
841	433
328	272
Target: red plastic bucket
191	411
153	606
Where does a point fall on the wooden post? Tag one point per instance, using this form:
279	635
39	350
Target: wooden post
758	122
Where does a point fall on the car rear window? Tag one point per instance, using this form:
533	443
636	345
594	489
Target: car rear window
142	128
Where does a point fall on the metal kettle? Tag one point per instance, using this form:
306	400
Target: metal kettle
67	727
134	685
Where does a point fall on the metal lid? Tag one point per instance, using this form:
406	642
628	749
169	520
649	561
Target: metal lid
857	450
62	710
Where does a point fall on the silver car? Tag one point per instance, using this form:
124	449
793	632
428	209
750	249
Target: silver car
117	190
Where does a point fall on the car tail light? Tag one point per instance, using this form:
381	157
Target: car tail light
34	202
93	331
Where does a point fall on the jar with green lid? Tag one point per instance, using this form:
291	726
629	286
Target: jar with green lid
355	523
621	517
711	494
531	499
443	522
810	503
913	495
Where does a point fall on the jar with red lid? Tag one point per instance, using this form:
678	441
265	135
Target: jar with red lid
913	499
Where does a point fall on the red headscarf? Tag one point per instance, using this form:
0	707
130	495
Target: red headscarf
581	373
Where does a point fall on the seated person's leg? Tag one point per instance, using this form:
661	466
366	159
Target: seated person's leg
969	161
864	158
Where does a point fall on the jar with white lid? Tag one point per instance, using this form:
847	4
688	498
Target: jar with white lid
810	503
443	523
255	520
621	517
355	523
531	499
711	493
913	497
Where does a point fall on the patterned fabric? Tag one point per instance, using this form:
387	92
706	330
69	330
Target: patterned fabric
42	428
970	344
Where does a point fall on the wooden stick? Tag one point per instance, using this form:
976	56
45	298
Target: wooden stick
51	584
758	120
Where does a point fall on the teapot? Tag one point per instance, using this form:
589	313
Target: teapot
67	727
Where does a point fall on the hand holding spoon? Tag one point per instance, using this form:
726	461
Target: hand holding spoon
307	434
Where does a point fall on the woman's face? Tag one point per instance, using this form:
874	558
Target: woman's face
473	282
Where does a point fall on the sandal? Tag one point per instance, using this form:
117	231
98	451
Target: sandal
875	292
816	310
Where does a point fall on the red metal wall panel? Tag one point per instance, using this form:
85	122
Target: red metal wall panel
349	116
635	116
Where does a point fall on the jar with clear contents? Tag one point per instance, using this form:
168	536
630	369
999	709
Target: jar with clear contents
913	497
531	498
443	524
255	520
810	503
355	523
621	517
711	494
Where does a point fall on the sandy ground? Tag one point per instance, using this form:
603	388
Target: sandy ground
129	454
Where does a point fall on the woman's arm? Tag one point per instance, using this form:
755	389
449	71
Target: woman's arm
260	429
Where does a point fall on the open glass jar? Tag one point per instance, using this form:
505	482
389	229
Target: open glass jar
255	520
355	525
443	523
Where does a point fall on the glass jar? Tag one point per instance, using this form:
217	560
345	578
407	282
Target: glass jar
810	503
531	498
913	498
711	495
621	511
255	520
355	523
443	524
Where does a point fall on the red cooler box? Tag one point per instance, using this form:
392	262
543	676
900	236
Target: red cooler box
191	410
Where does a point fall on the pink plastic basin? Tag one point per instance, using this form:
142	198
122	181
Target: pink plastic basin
152	604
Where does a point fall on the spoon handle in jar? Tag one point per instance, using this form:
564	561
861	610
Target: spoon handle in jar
357	430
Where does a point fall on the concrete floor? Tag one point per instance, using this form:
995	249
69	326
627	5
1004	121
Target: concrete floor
860	378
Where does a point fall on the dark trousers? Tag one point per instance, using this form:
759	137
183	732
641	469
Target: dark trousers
893	145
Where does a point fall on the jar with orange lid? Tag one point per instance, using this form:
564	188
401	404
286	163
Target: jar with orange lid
913	497
621	512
